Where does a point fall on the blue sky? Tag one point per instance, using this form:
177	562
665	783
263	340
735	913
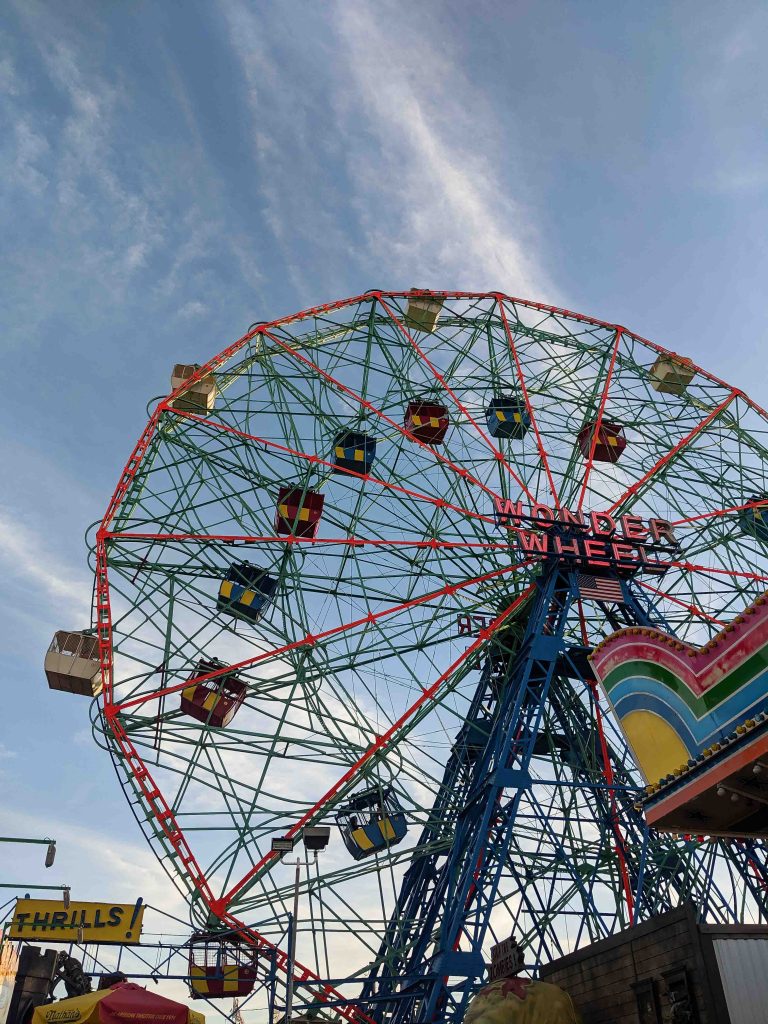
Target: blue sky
173	172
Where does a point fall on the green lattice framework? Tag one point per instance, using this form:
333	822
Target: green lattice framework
357	674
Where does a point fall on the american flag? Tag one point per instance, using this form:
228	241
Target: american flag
600	588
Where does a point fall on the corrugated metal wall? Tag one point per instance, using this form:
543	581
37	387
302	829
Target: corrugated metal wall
743	967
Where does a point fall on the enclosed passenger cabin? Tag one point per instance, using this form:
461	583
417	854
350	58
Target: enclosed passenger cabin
371	821
754	521
214	701
610	443
246	591
221	967
72	663
422	311
672	374
353	451
427	421
473	737
507	416
298	511
200	397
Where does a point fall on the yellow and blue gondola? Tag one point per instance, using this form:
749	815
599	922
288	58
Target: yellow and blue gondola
371	822
246	591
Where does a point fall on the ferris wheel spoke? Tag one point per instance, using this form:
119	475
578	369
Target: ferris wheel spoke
682	604
599	418
719	571
633	491
433	544
377	749
527	400
326	463
365	404
496	452
718	513
335	631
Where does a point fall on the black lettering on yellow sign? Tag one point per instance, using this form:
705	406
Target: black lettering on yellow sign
47	920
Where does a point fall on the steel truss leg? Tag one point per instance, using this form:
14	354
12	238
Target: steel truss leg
566	844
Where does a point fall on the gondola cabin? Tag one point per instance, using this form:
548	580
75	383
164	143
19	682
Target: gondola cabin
506	416
473	737
754	521
298	511
427	421
200	397
220	967
246	591
610	443
371	822
214	701
672	374
422	312
72	663
353	451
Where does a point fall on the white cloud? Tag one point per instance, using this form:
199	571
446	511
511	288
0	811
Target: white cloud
449	219
192	309
29	557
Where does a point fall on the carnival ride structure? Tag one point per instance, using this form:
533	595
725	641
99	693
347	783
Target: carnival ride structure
353	573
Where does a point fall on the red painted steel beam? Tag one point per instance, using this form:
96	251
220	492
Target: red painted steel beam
312	638
497	454
355	542
380	745
599	420
526	398
316	460
676	600
665	459
719	512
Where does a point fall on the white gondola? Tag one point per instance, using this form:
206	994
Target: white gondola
200	397
672	374
72	663
422	311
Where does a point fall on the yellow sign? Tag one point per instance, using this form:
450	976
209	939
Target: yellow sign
50	921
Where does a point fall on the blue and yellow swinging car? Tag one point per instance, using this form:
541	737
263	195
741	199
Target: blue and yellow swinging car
245	591
371	822
754	521
507	416
353	452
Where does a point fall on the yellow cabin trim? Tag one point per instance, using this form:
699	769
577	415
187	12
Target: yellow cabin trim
385	827
361	839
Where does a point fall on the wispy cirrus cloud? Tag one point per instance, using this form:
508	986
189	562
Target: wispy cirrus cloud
436	194
32	559
403	176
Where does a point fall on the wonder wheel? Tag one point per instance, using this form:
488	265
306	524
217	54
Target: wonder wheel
342	582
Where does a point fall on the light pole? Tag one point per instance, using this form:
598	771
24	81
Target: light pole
50	853
315	838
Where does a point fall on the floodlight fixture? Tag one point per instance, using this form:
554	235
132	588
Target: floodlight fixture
282	844
316	837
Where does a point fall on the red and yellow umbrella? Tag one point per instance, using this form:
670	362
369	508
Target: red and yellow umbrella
124	1003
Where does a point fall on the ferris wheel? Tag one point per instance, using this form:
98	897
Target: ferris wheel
351	576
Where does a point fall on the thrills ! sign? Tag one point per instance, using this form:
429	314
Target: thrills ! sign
596	540
49	921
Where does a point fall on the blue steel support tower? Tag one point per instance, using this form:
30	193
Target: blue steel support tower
431	959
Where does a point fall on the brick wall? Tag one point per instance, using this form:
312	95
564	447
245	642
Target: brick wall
600	978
